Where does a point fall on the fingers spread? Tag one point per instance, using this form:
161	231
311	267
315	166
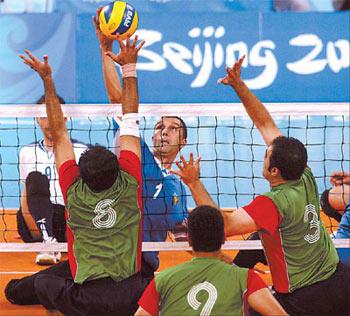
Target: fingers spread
140	45
179	165
32	57
183	160
112	55
191	159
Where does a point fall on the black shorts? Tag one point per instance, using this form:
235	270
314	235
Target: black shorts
58	223
328	297
96	297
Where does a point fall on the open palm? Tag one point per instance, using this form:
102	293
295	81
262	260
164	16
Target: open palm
41	67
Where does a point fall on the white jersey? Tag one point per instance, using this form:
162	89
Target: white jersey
36	157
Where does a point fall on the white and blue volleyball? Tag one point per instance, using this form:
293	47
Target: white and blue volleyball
118	17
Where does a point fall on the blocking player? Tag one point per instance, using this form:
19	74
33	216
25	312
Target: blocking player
164	195
41	216
307	275
104	209
206	285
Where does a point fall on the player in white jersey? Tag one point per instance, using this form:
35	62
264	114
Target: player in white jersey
41	216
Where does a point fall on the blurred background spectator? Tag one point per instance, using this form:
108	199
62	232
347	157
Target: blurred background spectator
341	5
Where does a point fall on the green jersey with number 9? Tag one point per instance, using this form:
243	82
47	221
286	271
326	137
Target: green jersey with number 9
202	286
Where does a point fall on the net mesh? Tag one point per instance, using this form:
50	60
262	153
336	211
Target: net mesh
231	148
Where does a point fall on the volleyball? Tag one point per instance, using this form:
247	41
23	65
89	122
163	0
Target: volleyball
118	17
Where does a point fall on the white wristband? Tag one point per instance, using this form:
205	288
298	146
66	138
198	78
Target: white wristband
129	70
130	125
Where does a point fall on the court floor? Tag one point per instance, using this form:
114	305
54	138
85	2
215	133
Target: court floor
17	265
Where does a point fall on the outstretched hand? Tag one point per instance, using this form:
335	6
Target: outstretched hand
188	171
128	51
233	74
340	177
105	42
41	67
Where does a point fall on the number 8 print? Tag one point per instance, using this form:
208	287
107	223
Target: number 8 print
106	215
209	304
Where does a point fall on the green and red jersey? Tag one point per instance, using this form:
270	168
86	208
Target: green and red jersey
297	246
202	286
104	229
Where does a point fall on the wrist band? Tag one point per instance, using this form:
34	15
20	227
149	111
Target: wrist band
129	70
130	125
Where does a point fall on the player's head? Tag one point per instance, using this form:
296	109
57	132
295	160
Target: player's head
99	168
170	135
206	229
286	157
43	122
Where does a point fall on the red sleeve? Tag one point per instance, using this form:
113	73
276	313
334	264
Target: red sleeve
149	300
264	213
130	163
254	283
67	174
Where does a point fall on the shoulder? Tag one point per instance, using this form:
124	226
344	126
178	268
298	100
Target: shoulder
231	269
278	197
308	175
30	149
171	273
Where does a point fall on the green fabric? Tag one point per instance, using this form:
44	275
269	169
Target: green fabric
105	244
228	283
309	252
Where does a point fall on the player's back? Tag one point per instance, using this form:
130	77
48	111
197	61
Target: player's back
106	228
202	286
301	252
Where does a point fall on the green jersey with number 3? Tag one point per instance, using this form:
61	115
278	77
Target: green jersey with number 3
301	252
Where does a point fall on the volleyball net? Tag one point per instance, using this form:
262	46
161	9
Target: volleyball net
231	148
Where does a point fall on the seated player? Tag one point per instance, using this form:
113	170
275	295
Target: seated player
303	260
41	216
206	285
104	211
164	195
335	202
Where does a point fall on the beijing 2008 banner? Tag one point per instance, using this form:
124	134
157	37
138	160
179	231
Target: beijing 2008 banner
289	57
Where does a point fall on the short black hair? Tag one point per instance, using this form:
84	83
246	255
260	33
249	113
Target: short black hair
182	124
41	100
206	229
289	156
99	168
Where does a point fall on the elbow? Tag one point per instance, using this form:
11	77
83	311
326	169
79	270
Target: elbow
228	230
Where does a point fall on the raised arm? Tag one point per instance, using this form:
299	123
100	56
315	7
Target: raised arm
63	148
255	109
110	74
236	222
127	58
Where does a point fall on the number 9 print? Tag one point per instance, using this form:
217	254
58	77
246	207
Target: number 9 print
209	304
